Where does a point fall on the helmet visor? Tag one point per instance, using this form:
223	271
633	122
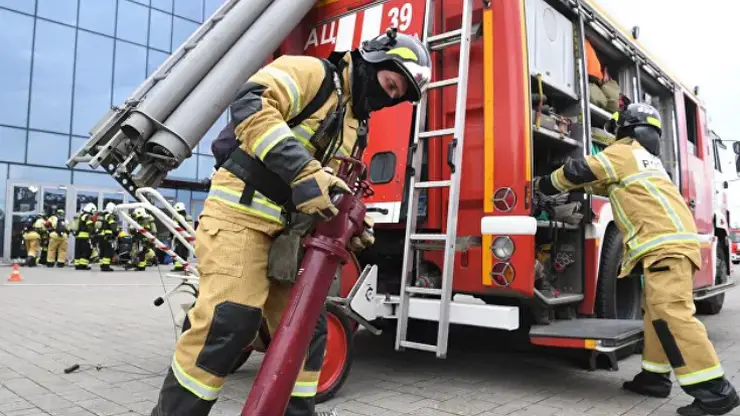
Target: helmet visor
418	77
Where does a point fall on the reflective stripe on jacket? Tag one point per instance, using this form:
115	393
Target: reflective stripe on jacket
276	93
648	208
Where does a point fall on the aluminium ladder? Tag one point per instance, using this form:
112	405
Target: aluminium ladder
413	239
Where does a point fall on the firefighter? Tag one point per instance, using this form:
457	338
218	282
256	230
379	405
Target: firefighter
144	248
58	240
32	241
108	232
179	248
43	228
241	218
85	228
661	242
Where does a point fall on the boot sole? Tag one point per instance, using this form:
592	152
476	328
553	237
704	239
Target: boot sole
724	410
645	392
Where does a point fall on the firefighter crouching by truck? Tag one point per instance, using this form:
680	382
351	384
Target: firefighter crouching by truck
661	242
58	240
84	226
177	246
107	234
241	230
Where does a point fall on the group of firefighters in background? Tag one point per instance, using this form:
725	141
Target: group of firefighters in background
99	236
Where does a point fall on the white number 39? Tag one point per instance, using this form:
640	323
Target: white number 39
404	15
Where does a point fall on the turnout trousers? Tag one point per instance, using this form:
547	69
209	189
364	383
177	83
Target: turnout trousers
234	295
83	250
58	245
674	338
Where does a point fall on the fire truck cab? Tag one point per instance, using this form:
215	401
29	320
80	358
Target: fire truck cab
529	107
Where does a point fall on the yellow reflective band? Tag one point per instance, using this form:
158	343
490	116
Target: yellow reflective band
658	195
83	262
653	367
105	261
267	141
304	133
701	376
291	87
607	165
654	122
643	248
305	389
83	234
260	206
621	214
194	386
404	53
556	182
615	116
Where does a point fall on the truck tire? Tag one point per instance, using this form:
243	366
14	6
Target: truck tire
713	305
616	298
339	353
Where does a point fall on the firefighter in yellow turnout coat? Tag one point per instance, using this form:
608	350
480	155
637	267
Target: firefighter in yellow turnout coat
660	239
272	174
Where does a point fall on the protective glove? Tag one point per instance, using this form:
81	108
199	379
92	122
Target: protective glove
366	239
313	188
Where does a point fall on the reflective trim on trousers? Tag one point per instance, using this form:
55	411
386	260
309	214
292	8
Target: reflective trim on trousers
192	385
82	262
701	376
105	260
260	205
653	367
83	234
305	389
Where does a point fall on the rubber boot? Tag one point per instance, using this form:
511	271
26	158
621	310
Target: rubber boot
713	397
60	264
106	268
650	384
49	264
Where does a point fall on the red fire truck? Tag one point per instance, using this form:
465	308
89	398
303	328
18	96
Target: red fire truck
487	264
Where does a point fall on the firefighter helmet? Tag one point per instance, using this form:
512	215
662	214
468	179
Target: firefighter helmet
139	213
407	54
110	207
180	206
633	115
90	208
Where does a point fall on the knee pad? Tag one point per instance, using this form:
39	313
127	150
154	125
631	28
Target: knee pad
233	327
668	341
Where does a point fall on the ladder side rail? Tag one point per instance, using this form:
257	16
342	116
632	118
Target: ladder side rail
454	195
187	230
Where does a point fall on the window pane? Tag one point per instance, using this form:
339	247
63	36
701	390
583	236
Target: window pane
47	149
205	166
53	64
45	175
204	146
130	69
187	170
64	11
160	30
211	6
184	196
191	9
93	81
144	2
14	145
132	22
16	37
155	60
20	5
181	30
3	190
165	5
98	15
95	179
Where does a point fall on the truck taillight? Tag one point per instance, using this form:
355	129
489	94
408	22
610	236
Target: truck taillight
734	247
503	248
504	199
503	274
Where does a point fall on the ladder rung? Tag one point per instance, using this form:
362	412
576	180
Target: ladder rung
424	290
436	133
432	237
443	83
419	346
433	184
444	36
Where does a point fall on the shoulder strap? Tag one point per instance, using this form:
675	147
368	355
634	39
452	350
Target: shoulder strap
325	91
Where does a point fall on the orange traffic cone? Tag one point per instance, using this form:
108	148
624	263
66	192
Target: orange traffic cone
16	275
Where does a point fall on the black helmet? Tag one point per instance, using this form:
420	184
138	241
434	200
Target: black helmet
408	56
634	115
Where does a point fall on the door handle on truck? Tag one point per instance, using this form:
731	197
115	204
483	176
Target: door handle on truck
450	152
692	204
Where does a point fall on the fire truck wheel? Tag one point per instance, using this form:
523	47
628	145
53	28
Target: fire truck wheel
713	305
339	353
616	298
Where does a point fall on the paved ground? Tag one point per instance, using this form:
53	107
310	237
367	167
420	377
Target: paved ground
106	323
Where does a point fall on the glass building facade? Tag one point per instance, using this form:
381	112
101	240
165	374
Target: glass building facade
63	64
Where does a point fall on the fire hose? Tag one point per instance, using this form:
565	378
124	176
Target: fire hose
325	251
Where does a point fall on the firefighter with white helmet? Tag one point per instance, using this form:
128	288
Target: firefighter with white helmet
107	234
661	242
177	246
275	174
84	231
142	245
